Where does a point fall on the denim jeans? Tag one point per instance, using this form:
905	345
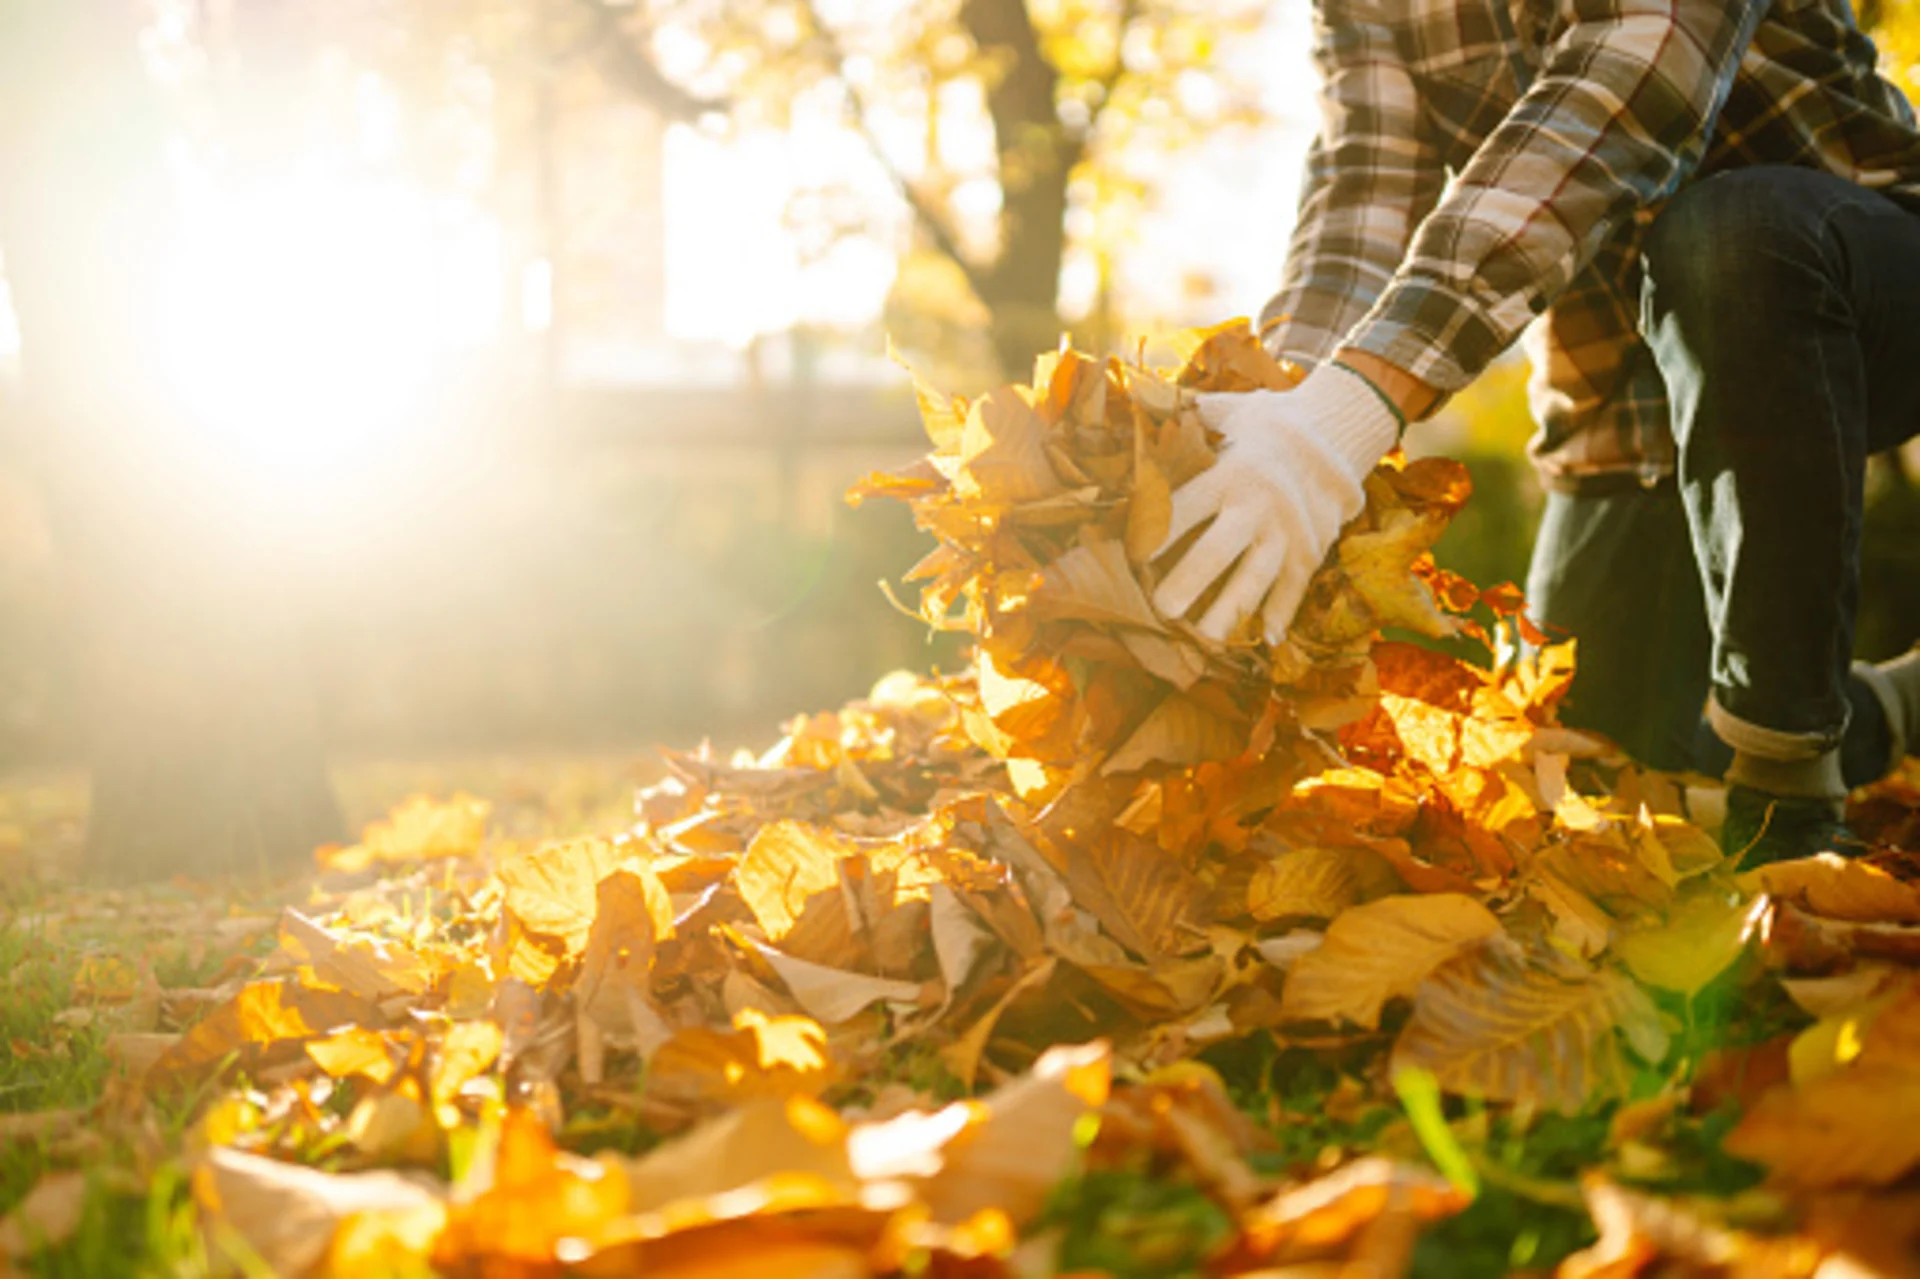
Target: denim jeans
1782	308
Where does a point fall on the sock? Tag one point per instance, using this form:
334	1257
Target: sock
1897	686
1814	777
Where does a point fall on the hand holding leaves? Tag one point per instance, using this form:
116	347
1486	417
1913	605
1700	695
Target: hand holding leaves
1289	476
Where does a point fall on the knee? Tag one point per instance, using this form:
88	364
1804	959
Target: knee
1733	244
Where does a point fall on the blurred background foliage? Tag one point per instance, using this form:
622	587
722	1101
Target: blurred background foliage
612	282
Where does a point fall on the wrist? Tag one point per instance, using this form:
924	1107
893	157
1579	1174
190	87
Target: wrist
1341	409
1411	397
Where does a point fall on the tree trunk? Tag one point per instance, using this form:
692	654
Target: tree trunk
1021	290
202	731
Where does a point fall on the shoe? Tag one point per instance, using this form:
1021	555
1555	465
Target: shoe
1762	828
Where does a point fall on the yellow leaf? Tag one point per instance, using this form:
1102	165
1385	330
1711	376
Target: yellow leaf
354	1051
1700	938
260	1016
1379	567
553	890
418	829
700	1069
1532	1027
539	1196
464	1052
787	863
1380	951
363	966
944	416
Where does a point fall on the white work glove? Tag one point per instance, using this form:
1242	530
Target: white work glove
1288	477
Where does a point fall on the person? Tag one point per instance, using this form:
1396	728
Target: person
1703	216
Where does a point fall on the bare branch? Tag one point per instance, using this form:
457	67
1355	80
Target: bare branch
928	215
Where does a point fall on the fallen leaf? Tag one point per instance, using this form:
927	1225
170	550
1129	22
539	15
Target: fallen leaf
1859	1125
286	1215
1380	951
1529	1027
46	1217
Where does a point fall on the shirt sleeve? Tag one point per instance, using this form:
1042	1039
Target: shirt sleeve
1371	174
1618	116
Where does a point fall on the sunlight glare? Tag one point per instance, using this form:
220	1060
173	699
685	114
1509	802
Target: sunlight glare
301	333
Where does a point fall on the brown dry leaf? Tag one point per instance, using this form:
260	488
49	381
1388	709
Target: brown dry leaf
768	1136
1837	887
1324	1217
1093	582
1380	951
1144	899
1646	1234
364	966
1012	1155
1003	452
787	863
1859	1125
962	1057
418	829
959	939
1317	883
1179	731
632	915
46	1217
1530	1027
286	1215
1149	509
833	995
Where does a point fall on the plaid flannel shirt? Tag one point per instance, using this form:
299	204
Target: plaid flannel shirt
1483	164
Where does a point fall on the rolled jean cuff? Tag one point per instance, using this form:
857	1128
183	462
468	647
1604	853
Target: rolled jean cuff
1771	743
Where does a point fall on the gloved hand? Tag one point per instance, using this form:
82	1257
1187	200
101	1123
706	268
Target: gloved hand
1288	477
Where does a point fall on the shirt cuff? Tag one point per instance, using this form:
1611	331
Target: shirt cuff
1439	336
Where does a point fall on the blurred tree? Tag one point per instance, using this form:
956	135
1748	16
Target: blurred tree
1895	27
1007	126
201	732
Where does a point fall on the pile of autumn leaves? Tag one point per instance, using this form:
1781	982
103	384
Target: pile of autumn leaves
1109	834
